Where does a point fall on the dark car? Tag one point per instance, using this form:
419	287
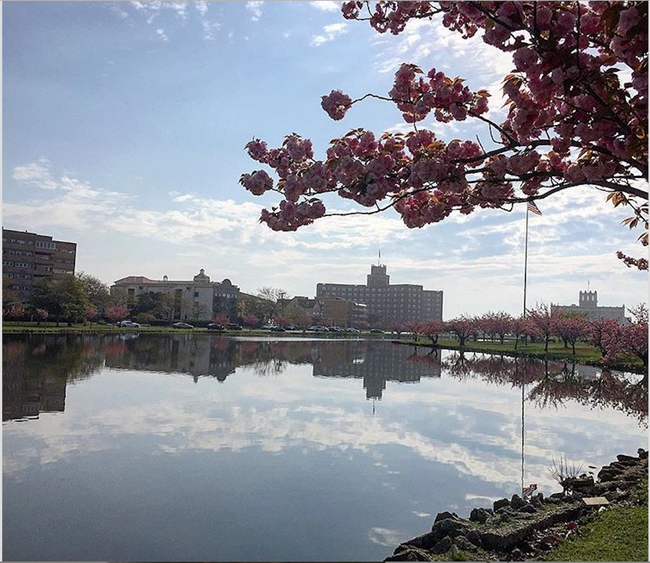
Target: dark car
376	331
215	326
234	326
182	325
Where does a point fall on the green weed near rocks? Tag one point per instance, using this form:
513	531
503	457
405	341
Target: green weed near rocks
619	533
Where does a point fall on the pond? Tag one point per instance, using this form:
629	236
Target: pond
192	447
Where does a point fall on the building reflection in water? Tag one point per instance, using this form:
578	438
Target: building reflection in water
376	363
36	369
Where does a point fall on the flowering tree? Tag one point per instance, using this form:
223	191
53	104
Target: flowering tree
463	327
250	321
432	329
117	313
616	340
496	324
570	328
41	315
545	319
14	311
221	320
282	320
602	332
634	337
415	327
635	341
522	327
91	313
576	116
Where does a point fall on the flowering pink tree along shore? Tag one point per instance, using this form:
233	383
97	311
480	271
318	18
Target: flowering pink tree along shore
577	116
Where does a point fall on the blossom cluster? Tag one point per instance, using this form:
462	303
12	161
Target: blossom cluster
577	115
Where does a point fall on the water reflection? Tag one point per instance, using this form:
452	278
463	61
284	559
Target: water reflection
552	383
35	372
180	447
37	369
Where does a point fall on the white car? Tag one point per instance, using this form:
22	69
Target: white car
127	324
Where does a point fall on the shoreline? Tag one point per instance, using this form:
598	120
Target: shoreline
103	329
523	529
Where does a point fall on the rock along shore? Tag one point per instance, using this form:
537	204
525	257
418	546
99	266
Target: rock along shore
519	529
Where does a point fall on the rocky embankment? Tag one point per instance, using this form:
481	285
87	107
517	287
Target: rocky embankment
519	529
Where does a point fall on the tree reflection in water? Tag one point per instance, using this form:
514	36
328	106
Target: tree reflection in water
37	369
552	383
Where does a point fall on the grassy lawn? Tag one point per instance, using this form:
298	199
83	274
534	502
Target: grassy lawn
585	353
617	534
556	350
620	534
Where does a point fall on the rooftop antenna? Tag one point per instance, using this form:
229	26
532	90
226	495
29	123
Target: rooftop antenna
379	262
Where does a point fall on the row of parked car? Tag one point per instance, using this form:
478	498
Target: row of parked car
274	328
321	328
132	324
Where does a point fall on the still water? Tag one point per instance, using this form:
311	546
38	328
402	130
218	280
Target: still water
203	447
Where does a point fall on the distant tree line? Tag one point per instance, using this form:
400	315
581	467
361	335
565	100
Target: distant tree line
614	340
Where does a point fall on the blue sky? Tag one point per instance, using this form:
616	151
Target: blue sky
124	125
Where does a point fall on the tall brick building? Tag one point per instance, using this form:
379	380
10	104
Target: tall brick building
388	303
30	257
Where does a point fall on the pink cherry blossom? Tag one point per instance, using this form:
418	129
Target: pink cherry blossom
336	104
576	115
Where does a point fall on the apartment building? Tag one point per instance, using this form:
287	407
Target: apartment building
28	258
195	299
386	303
588	306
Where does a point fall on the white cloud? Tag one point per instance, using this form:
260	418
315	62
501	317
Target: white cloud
160	32
36	173
331	32
155	12
385	536
255	8
428	44
201	7
326	6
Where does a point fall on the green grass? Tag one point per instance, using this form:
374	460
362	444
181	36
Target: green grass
585	353
617	534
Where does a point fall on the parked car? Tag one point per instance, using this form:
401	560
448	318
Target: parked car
318	328
127	324
182	325
355	330
215	326
376	331
269	327
234	326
